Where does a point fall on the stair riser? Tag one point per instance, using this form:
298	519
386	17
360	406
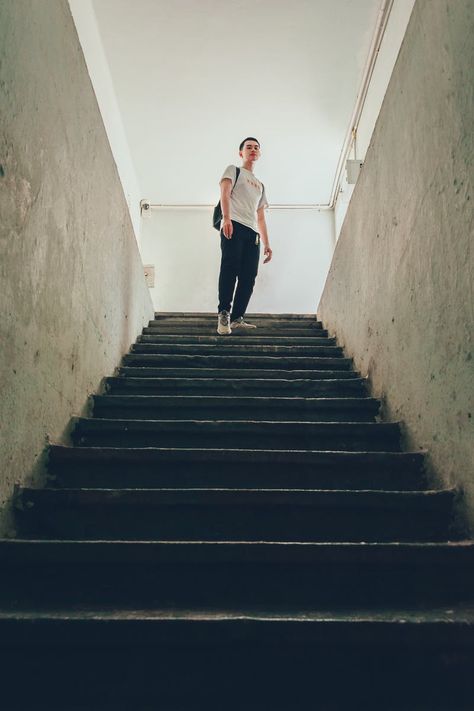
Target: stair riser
275	324
320	338
262	388
78	467
233	412
100	664
280	363
227	523
230	584
202	475
209	329
236	441
252	315
236	374
223	349
175	669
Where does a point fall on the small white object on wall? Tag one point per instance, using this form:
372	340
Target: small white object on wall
149	270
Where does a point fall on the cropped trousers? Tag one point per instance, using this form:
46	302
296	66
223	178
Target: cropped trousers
239	264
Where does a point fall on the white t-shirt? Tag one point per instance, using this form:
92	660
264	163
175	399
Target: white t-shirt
246	198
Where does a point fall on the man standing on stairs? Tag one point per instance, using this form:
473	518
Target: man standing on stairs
243	201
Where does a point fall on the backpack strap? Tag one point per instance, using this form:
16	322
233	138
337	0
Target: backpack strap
237	173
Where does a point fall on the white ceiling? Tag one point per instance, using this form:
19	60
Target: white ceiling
195	77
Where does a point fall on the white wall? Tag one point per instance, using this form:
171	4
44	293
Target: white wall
194	77
392	40
186	251
86	26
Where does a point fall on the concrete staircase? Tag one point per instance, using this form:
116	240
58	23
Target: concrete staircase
235	528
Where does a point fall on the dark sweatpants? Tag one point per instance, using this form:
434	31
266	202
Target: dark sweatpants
239	263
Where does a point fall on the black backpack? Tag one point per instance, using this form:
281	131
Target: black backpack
217	214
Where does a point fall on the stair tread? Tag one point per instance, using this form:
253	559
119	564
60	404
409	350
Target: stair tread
267	359
232	398
252	387
217	454
229	381
227	455
255	314
240	373
20	550
295	400
275	323
407	500
242	362
233	425
155	336
232	348
456	614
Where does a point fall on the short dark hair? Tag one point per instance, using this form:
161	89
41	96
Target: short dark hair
249	138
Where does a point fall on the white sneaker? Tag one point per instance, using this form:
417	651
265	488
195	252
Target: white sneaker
223	323
241	324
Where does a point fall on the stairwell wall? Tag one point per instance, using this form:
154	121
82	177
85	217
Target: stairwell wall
73	290
399	294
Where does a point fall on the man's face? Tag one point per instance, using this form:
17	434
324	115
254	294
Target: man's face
250	151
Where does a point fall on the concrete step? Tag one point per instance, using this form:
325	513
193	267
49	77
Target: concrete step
211	330
232	407
153	335
219	573
152	467
337	387
260	321
233	349
346	436
165	315
281	363
235	514
188	659
147	371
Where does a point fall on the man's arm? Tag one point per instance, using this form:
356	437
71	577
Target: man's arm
226	188
262	228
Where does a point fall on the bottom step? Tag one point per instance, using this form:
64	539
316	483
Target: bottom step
239	659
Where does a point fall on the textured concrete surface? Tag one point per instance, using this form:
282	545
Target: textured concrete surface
399	294
73	292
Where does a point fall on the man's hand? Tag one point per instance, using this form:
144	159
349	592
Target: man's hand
267	254
228	228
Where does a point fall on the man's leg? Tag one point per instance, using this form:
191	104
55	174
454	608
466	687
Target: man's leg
230	265
246	275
